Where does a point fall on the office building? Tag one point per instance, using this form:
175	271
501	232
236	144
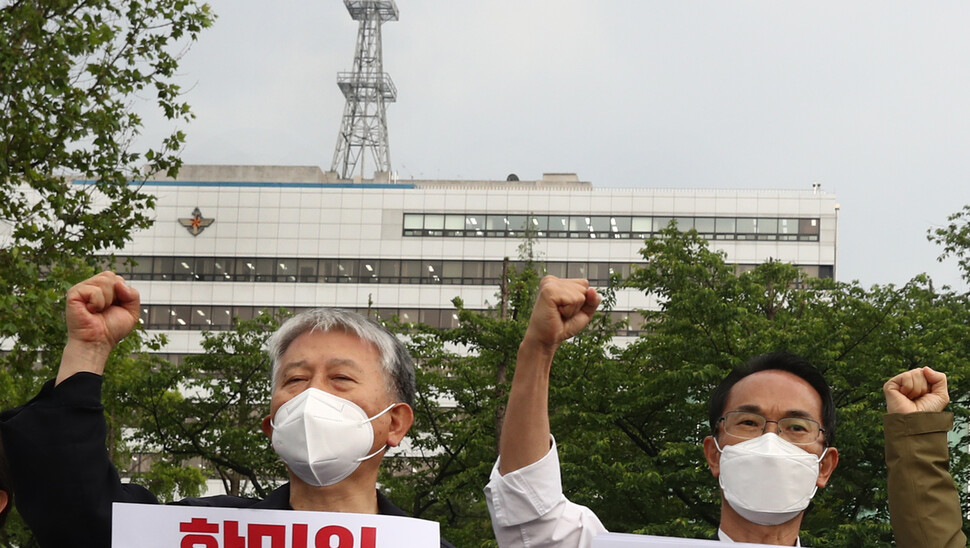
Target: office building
233	240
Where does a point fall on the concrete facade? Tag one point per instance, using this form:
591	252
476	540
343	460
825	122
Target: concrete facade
282	215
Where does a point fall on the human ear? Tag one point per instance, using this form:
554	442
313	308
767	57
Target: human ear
4	500
402	417
267	426
713	456
827	465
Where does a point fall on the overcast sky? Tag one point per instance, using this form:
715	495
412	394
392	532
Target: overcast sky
870	99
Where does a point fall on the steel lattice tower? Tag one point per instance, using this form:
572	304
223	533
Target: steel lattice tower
368	89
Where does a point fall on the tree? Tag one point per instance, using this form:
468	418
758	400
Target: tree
630	448
463	379
954	238
69	74
206	410
629	416
460	395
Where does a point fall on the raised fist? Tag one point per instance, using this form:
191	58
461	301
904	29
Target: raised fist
563	308
101	310
921	389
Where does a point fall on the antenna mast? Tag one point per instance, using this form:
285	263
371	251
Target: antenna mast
367	88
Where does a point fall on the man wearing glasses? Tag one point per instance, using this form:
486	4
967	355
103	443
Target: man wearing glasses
772	430
768	447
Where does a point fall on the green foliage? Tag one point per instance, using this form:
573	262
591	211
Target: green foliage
463	380
208	408
460	400
954	238
15	532
172	481
631	448
630	415
69	72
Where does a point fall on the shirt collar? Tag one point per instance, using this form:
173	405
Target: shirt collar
722	536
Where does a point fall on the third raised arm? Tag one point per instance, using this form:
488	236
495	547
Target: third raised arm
924	504
563	308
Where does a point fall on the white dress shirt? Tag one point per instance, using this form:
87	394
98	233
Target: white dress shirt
528	509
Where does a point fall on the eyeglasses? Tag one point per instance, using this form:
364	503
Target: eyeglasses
745	425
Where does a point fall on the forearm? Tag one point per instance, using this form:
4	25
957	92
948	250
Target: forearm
525	431
80	356
924	505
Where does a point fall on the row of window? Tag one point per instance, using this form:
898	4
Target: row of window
639	227
223	317
385	271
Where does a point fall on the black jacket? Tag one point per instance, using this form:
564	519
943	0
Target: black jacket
63	480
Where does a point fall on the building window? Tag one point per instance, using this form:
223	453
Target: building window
222	318
603	226
360	271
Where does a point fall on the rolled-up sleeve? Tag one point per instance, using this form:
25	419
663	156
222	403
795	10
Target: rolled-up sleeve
528	508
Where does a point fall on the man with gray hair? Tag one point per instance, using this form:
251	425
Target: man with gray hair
343	387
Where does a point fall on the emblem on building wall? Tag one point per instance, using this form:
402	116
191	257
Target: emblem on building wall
196	223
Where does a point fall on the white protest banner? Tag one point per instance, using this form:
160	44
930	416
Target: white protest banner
621	540
161	526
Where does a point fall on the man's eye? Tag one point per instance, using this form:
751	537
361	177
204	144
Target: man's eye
292	380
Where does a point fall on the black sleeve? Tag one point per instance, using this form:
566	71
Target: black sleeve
63	479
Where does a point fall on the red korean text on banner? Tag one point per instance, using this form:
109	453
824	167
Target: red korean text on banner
203	534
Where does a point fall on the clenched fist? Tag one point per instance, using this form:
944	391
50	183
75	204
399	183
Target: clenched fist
100	312
920	389
563	308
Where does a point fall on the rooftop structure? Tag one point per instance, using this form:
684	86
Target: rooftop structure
367	89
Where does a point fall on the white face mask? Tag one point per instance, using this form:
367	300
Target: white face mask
768	480
323	438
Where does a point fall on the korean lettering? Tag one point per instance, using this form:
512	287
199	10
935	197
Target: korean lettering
203	534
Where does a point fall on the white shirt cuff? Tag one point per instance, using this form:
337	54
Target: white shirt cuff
527	493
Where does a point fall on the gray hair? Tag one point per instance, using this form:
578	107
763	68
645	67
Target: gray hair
395	359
